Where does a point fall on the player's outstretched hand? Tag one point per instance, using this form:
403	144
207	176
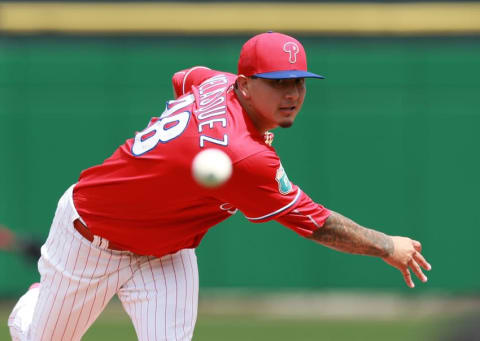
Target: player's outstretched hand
407	256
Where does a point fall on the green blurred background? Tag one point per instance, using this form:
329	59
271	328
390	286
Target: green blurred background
389	138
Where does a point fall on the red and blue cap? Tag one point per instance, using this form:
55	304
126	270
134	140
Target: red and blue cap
274	55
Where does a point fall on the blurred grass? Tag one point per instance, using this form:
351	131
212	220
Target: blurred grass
247	328
114	324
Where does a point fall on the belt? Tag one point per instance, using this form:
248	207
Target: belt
88	235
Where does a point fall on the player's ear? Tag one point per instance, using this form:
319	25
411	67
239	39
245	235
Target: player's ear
242	85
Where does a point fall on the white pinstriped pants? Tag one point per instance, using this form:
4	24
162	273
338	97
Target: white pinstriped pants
78	279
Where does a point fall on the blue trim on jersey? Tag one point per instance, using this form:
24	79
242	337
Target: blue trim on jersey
299	191
169	103
288	75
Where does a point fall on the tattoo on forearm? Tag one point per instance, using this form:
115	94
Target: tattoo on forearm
345	235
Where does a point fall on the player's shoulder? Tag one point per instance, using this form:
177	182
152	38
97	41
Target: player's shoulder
185	80
216	79
250	150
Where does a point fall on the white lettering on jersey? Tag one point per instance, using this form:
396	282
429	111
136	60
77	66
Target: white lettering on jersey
160	131
216	102
211	113
211	122
210	96
204	138
173	106
212	82
212	103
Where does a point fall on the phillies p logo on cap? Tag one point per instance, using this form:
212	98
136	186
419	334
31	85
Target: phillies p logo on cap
292	49
274	56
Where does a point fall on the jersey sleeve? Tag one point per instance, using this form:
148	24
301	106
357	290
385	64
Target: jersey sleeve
306	217
183	80
261	190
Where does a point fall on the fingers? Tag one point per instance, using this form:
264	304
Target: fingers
415	263
408	277
417	256
417	271
407	257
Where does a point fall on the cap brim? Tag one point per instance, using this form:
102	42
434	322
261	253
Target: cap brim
288	75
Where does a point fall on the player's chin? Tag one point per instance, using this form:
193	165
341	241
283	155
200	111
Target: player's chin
286	119
286	124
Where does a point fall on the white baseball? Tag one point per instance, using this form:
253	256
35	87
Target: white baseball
211	167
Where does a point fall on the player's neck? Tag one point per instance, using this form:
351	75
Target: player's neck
254	117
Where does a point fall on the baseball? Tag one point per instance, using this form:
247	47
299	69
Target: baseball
211	167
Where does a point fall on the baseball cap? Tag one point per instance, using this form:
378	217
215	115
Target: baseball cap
274	55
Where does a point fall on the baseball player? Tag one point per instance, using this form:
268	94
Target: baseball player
129	226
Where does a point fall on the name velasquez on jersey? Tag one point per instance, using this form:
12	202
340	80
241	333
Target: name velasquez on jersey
212	110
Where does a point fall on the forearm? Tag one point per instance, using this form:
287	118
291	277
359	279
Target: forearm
343	234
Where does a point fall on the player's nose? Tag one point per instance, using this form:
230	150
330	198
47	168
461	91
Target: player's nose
292	92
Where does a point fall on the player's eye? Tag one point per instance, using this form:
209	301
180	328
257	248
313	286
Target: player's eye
279	83
300	81
285	83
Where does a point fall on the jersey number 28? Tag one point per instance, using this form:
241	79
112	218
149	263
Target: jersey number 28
148	139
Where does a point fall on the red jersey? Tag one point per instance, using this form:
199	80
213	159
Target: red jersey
144	197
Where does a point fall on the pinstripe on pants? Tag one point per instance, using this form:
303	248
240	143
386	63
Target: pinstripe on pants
79	278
